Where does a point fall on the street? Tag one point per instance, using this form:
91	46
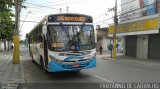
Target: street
107	70
122	70
80	44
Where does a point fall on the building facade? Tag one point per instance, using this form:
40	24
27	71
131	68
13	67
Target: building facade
102	38
139	27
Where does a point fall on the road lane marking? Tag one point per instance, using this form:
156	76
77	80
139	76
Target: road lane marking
102	78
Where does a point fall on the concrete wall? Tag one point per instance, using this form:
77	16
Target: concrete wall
104	42
1	45
142	46
101	33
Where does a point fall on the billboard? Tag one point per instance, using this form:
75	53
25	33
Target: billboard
148	7
138	8
158	6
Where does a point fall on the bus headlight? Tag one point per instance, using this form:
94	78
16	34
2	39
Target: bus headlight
89	57
55	59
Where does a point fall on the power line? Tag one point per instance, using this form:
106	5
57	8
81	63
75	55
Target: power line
50	1
113	7
103	20
29	21
54	1
49	6
127	12
41	6
60	4
34	10
126	3
24	20
137	9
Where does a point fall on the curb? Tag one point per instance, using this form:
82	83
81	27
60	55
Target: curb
130	60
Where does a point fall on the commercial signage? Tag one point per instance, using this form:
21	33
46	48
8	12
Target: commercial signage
150	24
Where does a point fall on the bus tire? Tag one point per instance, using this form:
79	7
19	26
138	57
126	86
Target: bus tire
42	64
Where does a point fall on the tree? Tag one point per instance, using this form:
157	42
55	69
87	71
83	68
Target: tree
6	22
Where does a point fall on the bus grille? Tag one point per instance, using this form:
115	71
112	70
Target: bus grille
84	60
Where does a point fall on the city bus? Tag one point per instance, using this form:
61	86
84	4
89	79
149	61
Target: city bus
63	42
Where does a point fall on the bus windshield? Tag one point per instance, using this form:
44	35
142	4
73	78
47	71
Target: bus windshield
68	38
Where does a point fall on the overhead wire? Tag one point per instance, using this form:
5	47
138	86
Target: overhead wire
42	6
113	7
128	12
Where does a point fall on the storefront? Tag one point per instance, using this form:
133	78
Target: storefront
154	46
141	37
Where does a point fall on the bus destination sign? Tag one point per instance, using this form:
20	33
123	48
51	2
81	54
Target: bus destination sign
69	18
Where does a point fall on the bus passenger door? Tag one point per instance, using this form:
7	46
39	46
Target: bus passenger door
45	46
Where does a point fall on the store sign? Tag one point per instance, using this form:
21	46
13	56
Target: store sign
144	25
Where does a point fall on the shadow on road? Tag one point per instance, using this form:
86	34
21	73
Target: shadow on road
33	72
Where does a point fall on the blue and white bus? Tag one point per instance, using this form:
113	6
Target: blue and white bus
63	42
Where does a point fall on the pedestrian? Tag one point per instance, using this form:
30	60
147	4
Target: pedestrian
117	46
100	49
12	45
110	47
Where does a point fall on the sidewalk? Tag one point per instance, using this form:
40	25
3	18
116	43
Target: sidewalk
121	58
10	72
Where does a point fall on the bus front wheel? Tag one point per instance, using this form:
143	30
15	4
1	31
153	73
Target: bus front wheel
42	65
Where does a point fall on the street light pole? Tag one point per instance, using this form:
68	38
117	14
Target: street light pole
24	21
16	34
60	10
67	9
115	31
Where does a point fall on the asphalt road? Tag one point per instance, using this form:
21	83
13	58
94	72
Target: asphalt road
106	71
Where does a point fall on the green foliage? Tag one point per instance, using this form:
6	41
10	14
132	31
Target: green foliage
6	23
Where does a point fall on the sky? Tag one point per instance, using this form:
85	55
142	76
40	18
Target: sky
37	9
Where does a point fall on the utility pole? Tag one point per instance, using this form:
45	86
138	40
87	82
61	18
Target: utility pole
16	54
67	9
115	31
60	10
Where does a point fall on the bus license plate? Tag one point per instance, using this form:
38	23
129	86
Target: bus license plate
76	65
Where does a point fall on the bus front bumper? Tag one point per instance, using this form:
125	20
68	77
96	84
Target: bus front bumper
55	67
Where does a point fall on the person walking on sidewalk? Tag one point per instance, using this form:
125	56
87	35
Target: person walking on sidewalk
12	46
110	47
100	49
